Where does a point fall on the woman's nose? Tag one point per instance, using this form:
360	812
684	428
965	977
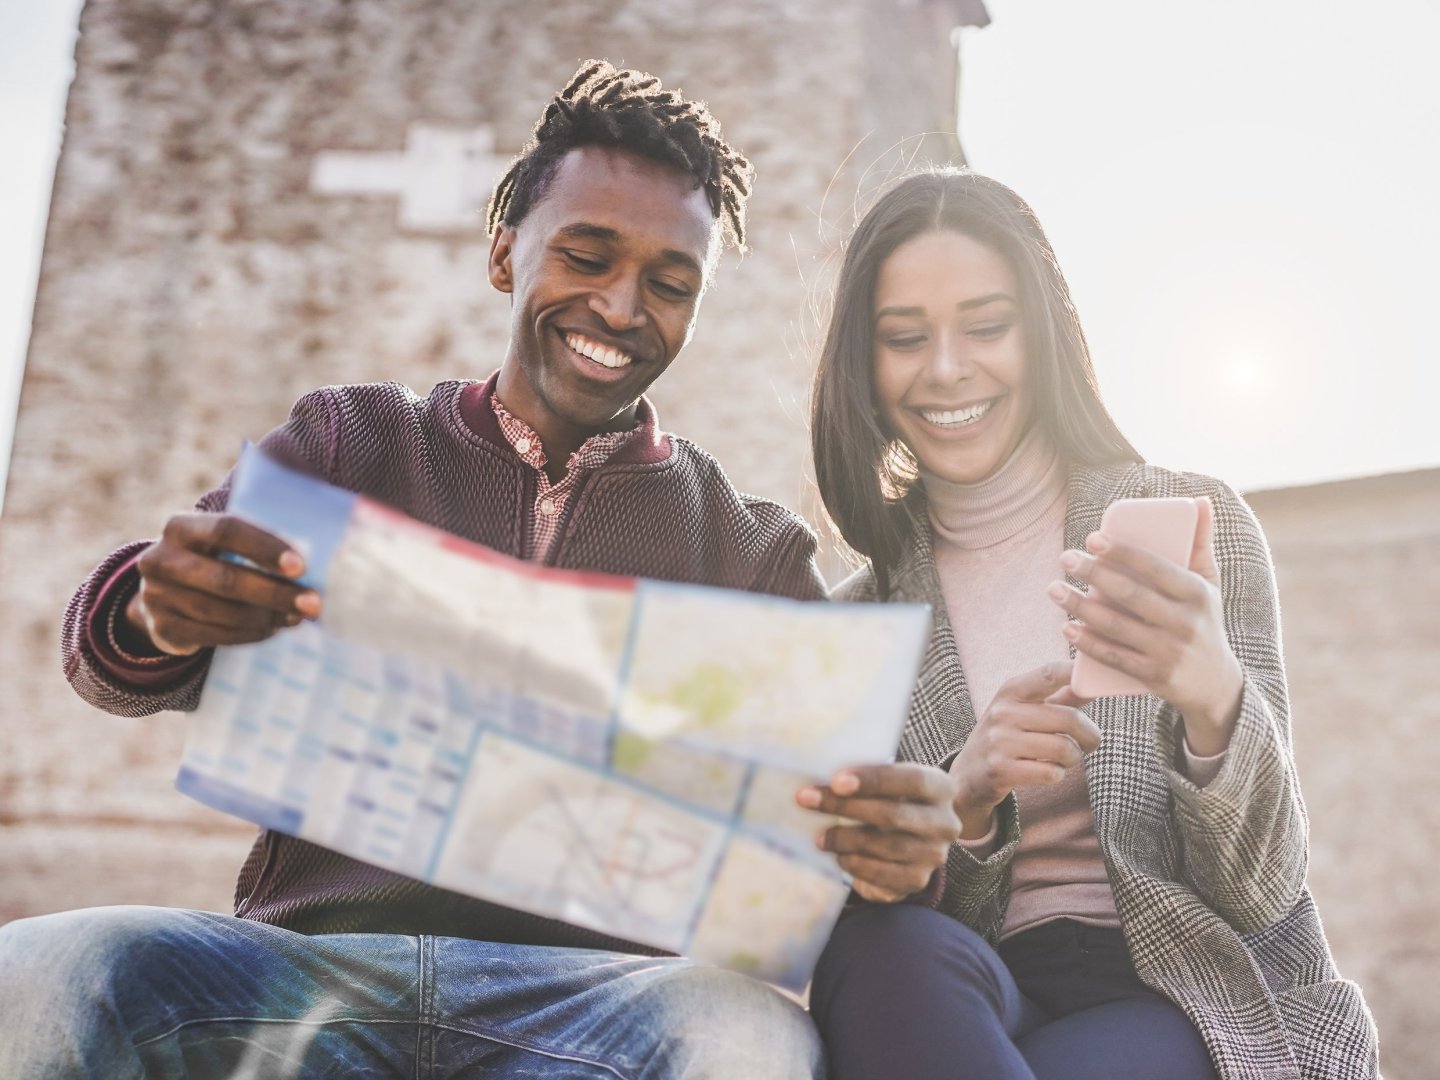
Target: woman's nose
950	361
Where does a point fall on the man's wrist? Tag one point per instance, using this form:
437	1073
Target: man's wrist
131	633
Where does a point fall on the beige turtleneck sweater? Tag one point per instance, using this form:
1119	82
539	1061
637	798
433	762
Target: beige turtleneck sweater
997	547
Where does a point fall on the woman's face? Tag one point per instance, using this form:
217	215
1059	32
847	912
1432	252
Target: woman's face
950	360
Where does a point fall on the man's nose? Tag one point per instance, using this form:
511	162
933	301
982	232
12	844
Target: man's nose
618	302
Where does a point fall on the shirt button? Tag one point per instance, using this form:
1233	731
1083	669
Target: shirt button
522	446
547	506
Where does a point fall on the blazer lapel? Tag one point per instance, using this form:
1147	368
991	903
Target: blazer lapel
941	714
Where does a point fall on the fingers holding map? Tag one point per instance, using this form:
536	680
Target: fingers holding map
615	752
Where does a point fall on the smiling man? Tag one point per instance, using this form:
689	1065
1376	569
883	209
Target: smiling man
606	274
604	234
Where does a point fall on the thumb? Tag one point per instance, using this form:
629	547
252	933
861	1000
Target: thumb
1202	551
1068	697
1038	684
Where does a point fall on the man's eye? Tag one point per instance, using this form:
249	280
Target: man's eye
672	290
583	263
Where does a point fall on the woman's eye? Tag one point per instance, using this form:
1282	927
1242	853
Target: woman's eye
989	332
904	342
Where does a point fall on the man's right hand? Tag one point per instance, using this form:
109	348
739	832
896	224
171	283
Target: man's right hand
191	598
1031	734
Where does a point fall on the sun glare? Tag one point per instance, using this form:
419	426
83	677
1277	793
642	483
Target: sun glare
1246	372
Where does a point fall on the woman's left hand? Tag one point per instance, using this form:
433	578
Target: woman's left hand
1162	624
901	823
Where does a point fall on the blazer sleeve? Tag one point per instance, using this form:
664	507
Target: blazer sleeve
1244	835
97	666
977	888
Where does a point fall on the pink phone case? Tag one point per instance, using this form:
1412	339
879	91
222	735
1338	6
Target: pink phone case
1164	526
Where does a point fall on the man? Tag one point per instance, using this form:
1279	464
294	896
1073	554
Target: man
605	232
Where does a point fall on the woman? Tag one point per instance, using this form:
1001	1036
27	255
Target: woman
1127	898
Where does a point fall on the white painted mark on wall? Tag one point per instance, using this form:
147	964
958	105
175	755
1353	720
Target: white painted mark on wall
443	177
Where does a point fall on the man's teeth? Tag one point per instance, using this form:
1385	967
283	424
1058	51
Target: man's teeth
956	417
611	358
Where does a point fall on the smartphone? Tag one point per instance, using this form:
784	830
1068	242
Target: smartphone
1163	526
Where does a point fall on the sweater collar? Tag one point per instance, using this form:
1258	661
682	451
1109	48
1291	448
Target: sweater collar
1005	503
648	445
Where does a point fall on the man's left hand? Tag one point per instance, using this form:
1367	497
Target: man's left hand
900	823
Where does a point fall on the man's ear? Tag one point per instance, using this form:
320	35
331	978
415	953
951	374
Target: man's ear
502	251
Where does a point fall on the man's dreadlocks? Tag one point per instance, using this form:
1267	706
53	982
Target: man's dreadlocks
629	110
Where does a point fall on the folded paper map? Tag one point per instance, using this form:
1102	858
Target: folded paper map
619	753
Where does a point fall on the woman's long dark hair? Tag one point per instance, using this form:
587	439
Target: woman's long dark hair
863	472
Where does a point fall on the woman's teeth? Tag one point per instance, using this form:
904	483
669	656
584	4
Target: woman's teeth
957	417
611	358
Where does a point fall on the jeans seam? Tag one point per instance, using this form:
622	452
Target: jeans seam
520	1044
197	1021
423	1068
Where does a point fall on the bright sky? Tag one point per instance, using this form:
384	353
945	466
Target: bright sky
1242	196
1240	192
37	38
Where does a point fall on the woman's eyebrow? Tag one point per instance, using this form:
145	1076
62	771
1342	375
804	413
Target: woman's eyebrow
981	301
964	305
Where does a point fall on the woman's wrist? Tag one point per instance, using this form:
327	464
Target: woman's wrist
977	819
1209	724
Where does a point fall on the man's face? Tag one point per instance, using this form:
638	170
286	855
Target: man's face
605	273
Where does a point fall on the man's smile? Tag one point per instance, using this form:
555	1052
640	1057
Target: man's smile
597	352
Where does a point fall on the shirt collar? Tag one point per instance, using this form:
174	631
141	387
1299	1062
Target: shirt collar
591	454
648	446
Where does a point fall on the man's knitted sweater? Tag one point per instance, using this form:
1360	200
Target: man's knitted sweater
659	507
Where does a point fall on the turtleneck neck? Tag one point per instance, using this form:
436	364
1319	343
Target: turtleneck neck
1004	504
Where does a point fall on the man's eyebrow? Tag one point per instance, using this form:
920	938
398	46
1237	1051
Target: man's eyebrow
964	305
582	230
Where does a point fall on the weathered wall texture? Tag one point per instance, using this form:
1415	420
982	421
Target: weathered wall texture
193	285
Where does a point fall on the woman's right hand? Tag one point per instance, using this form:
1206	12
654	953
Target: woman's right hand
190	597
1032	733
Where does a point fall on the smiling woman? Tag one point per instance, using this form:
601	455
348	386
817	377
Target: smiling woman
1127	896
997	290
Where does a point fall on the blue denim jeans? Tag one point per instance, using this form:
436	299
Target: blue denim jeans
129	992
